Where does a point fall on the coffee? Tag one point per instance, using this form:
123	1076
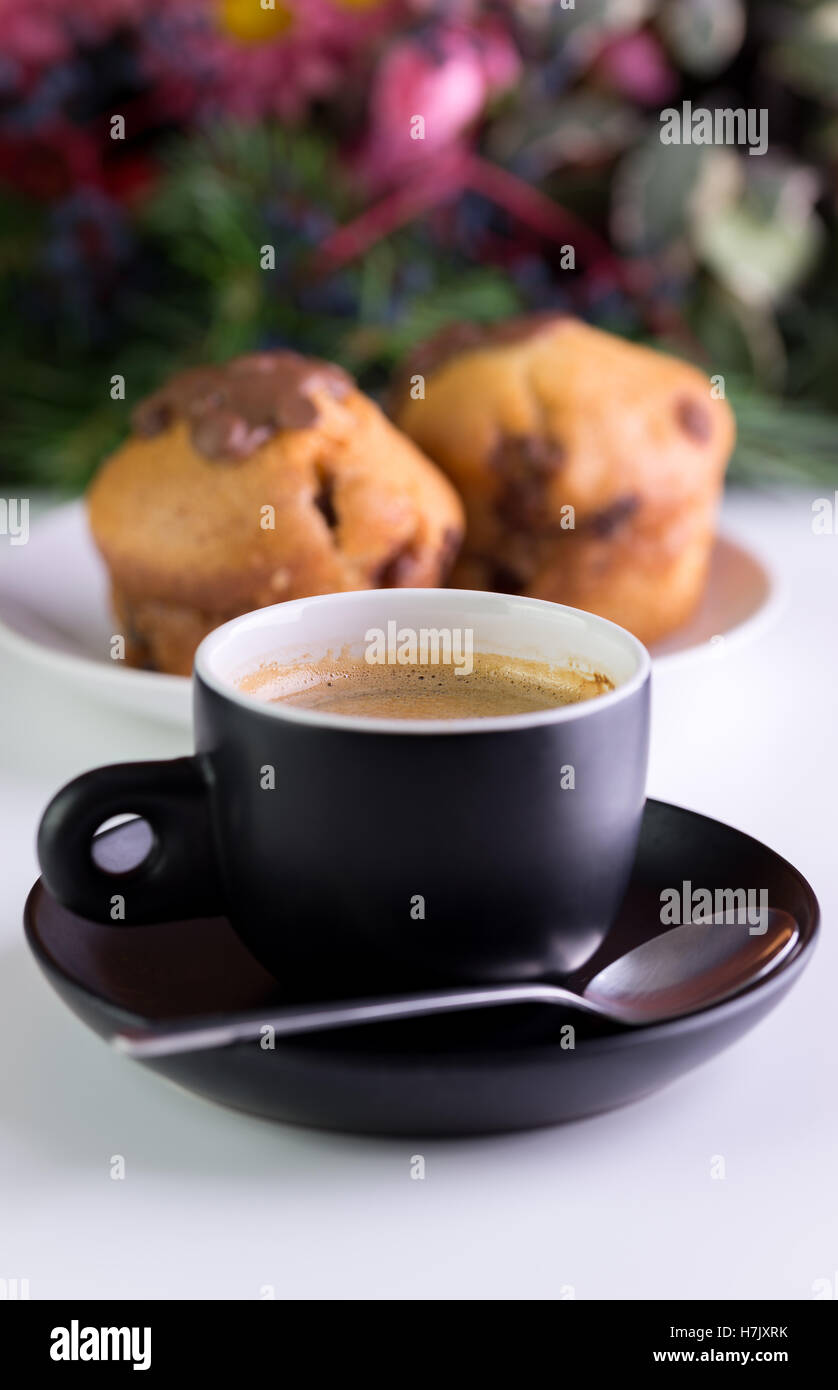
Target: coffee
495	685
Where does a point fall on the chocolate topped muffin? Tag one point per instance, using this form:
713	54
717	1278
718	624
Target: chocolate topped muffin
269	477
590	467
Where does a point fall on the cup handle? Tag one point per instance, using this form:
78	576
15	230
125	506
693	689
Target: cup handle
179	876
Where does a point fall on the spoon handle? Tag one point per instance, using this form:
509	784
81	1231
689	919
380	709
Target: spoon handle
199	1035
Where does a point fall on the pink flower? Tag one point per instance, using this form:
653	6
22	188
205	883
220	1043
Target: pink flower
636	65
427	91
221	57
209	56
30	35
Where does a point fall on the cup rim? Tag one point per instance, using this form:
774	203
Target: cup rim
354	723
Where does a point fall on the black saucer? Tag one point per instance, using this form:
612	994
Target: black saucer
475	1073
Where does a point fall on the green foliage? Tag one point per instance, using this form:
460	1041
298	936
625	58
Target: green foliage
703	35
736	253
585	125
807	57
222	196
652	193
781	441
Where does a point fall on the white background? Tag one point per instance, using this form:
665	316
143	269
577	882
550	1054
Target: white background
216	1205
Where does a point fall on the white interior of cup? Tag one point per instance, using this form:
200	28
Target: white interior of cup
309	629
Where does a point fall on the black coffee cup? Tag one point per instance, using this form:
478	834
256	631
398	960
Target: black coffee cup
355	854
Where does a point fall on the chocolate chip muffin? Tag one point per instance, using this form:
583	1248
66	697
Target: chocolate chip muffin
268	478
590	467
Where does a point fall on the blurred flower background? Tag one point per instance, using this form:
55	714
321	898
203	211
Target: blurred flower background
287	124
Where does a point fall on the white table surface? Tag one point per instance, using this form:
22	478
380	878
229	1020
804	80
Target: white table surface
217	1205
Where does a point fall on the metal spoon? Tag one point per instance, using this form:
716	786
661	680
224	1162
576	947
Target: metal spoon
679	972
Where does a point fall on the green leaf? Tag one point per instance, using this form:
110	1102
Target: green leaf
807	58
651	194
781	441
584	127
765	242
703	35
717	323
482	295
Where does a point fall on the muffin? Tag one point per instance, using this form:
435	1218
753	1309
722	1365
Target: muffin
591	468
268	478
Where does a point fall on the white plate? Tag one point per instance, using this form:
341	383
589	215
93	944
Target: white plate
54	610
